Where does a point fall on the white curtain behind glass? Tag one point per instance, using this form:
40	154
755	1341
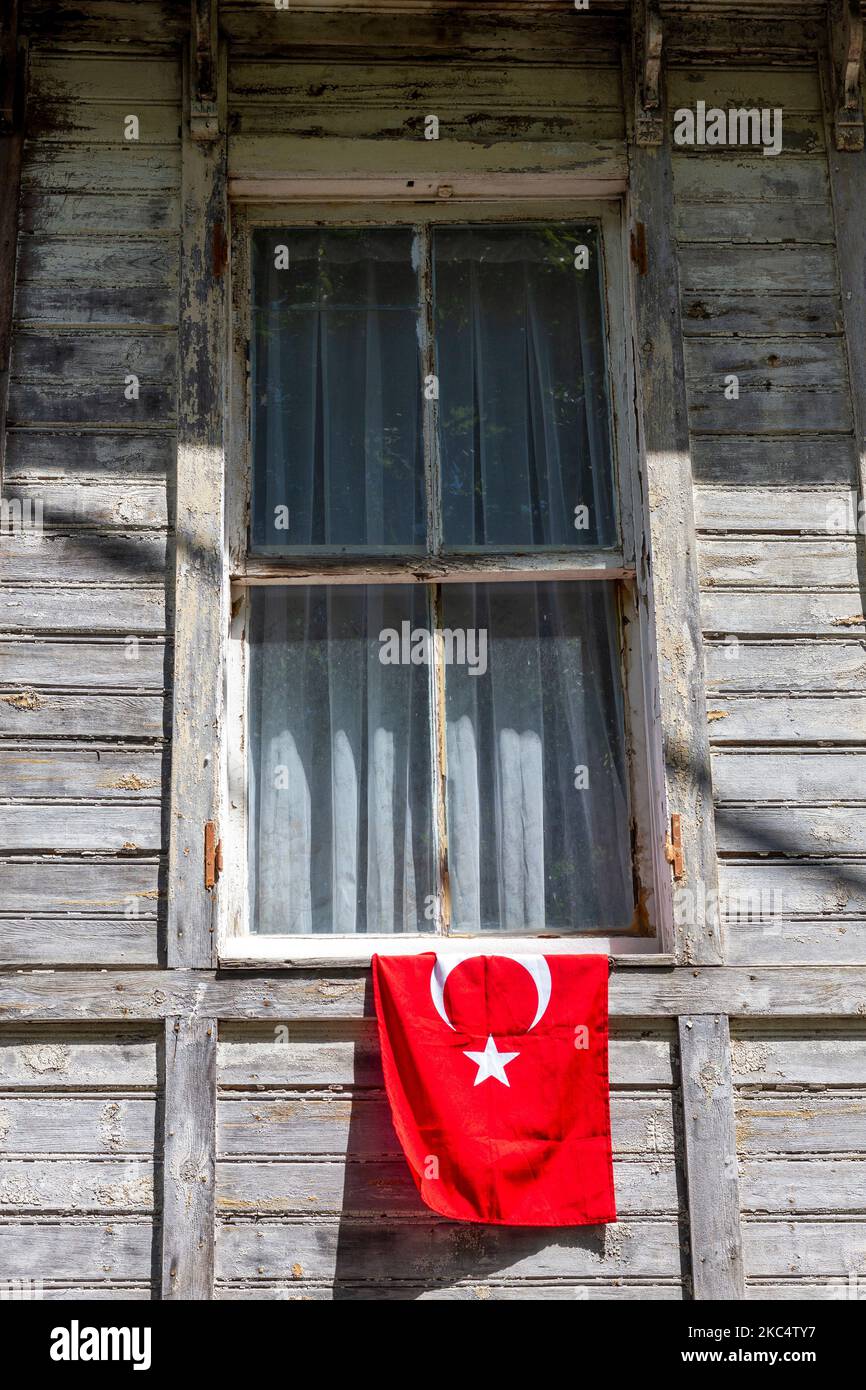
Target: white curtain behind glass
535	842
341	840
523	410
340	799
337	390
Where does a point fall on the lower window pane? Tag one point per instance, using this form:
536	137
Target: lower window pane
340	796
538	815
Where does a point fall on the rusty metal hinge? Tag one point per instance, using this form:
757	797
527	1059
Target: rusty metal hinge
213	855
674	846
638	247
219	249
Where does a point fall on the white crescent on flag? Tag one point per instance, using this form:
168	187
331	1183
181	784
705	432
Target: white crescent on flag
536	965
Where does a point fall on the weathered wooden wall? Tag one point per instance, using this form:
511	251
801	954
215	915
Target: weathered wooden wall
801	1141
78	1123
782	609
86	640
98	1061
314	1197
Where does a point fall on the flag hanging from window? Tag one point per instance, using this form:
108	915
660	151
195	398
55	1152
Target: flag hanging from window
496	1069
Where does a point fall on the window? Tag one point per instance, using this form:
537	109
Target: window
435	694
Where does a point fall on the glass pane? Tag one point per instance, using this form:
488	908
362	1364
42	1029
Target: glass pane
520	350
340	798
336	390
538	815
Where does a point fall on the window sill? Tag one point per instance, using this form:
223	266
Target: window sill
315	952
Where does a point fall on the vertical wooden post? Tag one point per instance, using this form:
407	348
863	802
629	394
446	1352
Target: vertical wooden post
846	85
648	38
848	193
189	1157
13	69
199	600
188	1204
711	1157
666	463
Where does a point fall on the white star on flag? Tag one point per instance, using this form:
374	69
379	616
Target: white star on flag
490	1062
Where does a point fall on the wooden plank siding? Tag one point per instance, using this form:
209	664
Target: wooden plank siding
314	1198
775	501
78	1159
800	1103
322	121
85	691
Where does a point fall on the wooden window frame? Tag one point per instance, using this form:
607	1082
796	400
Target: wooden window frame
651	936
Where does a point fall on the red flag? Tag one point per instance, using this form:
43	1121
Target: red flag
496	1073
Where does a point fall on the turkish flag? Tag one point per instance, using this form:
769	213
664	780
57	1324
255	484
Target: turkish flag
496	1074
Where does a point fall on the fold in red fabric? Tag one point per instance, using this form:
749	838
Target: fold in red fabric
496	1070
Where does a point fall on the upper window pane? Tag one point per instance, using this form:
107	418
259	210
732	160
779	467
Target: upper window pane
524	431
336	391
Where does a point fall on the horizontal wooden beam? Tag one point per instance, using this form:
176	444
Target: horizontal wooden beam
473	188
267	954
427	569
148	996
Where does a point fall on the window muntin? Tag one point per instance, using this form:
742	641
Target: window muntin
595	559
